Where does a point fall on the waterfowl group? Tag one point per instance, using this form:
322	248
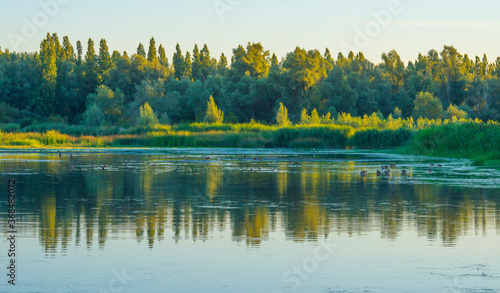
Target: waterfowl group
386	170
432	165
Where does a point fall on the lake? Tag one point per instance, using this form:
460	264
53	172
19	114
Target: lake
233	220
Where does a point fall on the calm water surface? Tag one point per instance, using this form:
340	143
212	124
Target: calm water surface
167	220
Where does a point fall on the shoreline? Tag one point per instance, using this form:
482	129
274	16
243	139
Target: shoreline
477	142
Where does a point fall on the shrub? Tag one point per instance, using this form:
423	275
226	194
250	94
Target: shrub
282	117
147	117
9	127
453	111
213	114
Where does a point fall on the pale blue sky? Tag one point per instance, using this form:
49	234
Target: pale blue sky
415	26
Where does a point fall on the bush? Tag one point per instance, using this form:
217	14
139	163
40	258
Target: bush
147	117
9	127
213	114
282	117
453	111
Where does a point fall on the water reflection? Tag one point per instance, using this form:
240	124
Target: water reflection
165	197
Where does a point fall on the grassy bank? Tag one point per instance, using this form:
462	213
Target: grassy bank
478	142
233	136
460	139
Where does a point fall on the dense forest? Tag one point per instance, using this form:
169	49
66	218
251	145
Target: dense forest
62	84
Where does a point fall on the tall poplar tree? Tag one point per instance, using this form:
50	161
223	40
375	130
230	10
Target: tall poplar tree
79	50
162	56
45	103
152	55
178	61
92	78
68	51
141	51
196	64
105	62
187	66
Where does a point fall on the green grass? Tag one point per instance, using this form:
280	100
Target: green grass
478	142
384	139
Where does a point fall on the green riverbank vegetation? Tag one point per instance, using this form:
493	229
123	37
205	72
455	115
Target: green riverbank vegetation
64	96
450	137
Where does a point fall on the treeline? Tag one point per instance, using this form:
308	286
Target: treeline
62	84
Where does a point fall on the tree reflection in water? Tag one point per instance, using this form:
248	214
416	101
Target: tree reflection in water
180	199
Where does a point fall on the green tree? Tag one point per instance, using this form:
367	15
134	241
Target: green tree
315	119
453	111
255	61
213	113
196	64
178	61
274	61
162	56
208	65
91	78
79	50
222	65
105	62
452	86
94	116
57	47
397	113
69	102
427	106
394	69
188	66
48	60
110	102
152	54
305	119
141	51
147	117
68	51
329	60
306	68
282	117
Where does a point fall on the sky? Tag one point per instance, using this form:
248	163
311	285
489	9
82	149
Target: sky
370	26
